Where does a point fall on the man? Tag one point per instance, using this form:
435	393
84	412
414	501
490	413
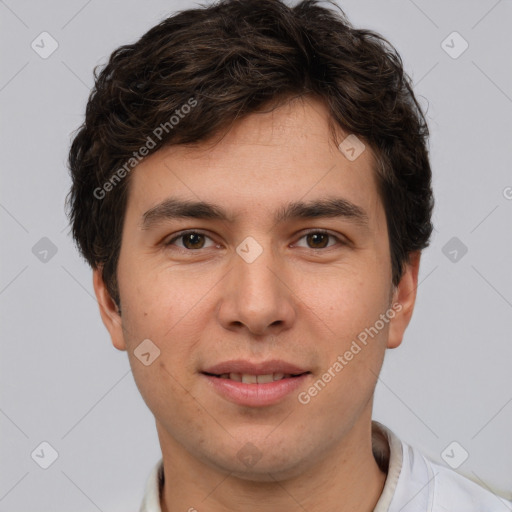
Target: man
252	189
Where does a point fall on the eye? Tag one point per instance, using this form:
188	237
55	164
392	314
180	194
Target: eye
319	238
191	240
195	240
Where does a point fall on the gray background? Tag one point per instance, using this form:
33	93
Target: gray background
62	381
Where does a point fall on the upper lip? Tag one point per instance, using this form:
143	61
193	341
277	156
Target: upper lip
250	368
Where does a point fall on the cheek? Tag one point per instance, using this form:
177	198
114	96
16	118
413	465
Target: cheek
156	302
355	346
165	312
345	303
165	390
357	337
169	312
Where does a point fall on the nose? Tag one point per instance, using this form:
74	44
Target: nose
257	293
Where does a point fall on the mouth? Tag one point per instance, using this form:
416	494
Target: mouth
256	389
247	378
255	383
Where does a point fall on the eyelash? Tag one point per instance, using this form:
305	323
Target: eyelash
199	232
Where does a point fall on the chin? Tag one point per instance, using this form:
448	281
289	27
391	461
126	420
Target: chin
266	473
260	468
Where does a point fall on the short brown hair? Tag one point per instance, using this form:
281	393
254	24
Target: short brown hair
232	58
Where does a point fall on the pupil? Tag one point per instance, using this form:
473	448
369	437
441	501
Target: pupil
315	237
189	239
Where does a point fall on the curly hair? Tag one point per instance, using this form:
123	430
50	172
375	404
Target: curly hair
228	60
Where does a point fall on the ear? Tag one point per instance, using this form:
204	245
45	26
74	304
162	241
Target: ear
108	310
404	298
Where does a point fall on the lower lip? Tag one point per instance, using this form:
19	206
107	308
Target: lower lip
255	395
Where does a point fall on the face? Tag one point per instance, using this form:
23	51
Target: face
262	283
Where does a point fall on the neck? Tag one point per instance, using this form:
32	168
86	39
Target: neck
347	478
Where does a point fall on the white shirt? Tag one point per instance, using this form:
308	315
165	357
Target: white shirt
413	483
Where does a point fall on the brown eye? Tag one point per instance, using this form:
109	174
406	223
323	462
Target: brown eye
190	240
193	240
318	239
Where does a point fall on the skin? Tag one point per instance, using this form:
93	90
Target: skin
299	301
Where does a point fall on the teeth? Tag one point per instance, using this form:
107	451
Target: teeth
262	379
255	379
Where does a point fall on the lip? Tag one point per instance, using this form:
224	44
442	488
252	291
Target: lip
252	368
255	395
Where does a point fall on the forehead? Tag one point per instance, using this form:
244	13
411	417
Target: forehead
264	160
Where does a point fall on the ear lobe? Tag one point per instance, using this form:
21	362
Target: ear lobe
110	314
404	297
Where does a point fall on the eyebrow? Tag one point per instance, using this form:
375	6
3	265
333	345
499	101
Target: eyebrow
173	208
